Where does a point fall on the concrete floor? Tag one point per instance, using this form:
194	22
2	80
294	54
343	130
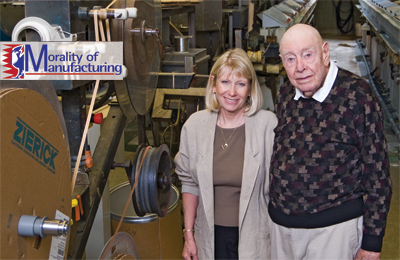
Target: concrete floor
343	52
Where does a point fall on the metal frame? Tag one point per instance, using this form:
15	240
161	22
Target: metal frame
103	157
372	84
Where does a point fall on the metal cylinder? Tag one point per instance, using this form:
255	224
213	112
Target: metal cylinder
55	227
33	226
182	43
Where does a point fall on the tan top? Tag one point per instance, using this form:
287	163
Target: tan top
227	175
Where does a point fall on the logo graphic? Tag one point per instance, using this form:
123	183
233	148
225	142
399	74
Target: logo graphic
61	61
14	61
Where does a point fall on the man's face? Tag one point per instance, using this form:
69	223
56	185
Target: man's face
306	63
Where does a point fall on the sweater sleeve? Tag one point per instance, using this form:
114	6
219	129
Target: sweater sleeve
375	175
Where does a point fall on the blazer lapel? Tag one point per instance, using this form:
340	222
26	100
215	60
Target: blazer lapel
205	168
251	166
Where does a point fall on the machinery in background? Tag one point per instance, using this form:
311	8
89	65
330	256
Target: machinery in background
44	122
381	48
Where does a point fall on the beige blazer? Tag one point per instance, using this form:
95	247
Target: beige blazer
194	166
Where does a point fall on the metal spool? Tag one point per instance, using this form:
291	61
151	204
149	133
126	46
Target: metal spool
123	247
150	230
141	55
153	189
35	174
182	43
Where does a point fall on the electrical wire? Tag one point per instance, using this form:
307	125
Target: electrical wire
345	25
103	99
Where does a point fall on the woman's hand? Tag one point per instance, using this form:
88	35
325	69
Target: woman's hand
190	248
190	203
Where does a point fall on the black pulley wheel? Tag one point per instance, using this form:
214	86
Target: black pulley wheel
137	202
153	189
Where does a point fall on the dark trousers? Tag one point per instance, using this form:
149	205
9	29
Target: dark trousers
226	242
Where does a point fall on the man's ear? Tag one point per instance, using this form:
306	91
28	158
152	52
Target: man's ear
326	54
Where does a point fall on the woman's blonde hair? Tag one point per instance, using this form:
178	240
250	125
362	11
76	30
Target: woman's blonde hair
236	62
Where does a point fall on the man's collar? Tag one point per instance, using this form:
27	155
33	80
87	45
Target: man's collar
323	92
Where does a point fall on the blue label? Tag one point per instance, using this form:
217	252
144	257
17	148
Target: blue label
34	145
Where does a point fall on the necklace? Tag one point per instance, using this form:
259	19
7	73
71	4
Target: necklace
225	144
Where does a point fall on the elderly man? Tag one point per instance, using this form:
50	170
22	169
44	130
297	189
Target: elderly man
330	183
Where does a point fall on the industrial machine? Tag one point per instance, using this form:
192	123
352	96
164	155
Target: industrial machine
43	165
380	46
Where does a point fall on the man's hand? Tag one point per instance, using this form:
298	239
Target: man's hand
366	255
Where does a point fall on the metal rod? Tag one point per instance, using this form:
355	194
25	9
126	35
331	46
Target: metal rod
381	101
108	14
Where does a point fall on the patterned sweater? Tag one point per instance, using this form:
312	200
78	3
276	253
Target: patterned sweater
330	160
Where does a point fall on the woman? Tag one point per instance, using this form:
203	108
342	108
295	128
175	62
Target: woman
223	164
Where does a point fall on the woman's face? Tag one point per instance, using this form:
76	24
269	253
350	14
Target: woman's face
231	92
